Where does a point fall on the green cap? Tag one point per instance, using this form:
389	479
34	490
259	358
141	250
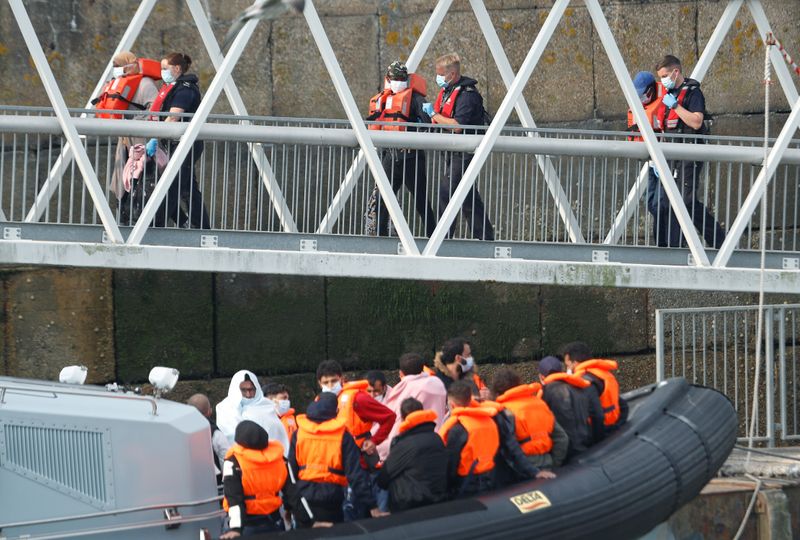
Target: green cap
397	71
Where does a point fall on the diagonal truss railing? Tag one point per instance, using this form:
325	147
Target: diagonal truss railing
64	119
701	68
231	91
549	172
64	160
368	154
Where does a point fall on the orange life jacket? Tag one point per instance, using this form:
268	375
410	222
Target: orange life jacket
263	476
395	108
478	382
359	429
448	107
533	419
428	370
483	439
668	119
609	399
289	422
653	111
163	92
416	418
117	94
319	451
575	380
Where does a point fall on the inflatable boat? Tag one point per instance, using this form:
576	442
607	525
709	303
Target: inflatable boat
676	439
82	462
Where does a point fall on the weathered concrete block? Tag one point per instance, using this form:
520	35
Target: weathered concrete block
372	322
610	321
163	318
501	321
269	324
642	44
302	86
56	318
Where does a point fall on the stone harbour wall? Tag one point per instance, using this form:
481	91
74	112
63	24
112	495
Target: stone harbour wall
122	323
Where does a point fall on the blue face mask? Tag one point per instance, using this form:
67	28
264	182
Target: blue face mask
667	82
441	82
248	401
167	76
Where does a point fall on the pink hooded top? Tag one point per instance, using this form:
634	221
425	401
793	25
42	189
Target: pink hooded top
429	390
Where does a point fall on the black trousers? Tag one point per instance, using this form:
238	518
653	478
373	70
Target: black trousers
667	231
407	168
472	209
184	203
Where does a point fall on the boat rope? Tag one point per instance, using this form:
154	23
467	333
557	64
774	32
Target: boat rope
771	41
763	245
749	506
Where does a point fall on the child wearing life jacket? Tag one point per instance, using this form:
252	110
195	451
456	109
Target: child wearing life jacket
279	394
253	477
324	460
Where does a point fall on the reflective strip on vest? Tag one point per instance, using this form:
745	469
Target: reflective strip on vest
263	477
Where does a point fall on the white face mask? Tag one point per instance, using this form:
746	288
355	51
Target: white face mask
247	401
167	76
667	82
117	72
334	388
283	406
398	86
467	364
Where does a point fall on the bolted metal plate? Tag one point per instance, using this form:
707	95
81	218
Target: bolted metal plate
599	256
12	233
308	245
791	263
502	252
209	240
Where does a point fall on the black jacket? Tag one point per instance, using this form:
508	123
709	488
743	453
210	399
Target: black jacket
328	494
185	95
415	473
572	408
511	465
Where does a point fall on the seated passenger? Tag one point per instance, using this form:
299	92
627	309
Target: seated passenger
579	359
414	383
279	395
455	363
575	409
253	475
246	401
472	440
324	460
542	440
377	388
415	473
219	442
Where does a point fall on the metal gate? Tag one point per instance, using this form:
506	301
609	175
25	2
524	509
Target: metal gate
715	347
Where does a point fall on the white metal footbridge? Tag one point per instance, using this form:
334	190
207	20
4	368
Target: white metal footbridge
289	195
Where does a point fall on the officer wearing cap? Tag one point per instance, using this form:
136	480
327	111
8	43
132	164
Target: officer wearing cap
393	109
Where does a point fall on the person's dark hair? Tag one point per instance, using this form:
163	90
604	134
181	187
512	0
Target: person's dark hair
452	348
411	364
504	380
273	389
669	62
408	406
251	435
179	59
460	392
578	351
375	375
326	368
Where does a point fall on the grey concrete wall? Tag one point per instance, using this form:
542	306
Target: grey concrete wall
281	72
122	323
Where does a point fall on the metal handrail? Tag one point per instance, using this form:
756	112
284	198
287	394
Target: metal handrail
111	513
385	139
726	308
9	388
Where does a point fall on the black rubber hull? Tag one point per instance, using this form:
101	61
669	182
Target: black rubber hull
677	437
